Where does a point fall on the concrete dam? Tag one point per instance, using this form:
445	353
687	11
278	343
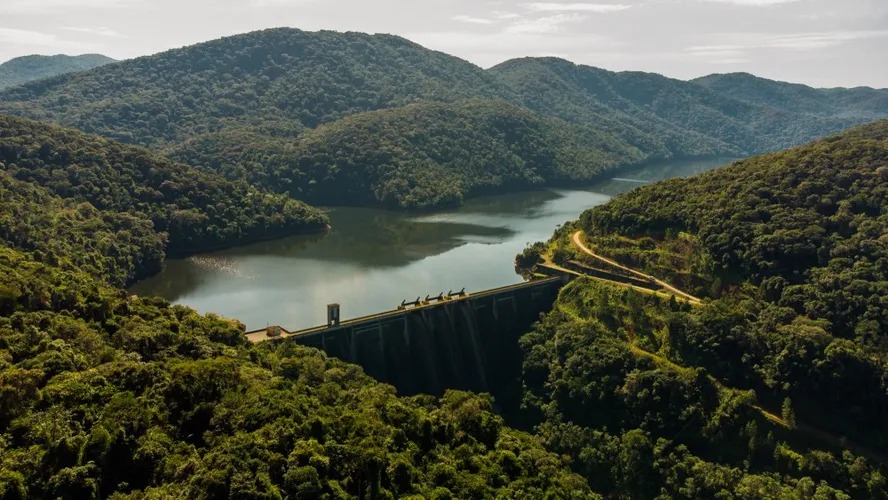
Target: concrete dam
455	341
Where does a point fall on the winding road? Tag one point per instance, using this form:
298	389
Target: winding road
834	440
577	240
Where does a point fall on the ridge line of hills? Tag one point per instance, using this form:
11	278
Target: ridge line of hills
274	106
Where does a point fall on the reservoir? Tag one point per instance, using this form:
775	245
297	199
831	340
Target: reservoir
373	259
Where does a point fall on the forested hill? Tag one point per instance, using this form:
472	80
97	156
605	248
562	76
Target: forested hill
417	156
197	210
776	385
259	91
29	68
862	103
278	81
793	221
107	395
674	114
113	247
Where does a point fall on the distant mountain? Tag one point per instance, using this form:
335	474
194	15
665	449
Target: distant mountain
861	103
28	68
280	81
248	106
679	115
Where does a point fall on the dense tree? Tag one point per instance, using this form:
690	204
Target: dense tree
806	226
610	377
777	384
119	248
102	394
274	106
420	156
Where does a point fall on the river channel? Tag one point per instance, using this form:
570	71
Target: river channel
373	259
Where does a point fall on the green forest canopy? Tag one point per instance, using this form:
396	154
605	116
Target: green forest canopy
419	156
859	102
237	104
774	387
782	373
746	396
197	211
104	394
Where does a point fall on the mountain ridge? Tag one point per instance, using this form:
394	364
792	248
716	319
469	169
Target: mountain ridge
859	102
24	69
262	92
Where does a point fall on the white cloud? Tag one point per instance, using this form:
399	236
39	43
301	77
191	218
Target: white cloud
744	42
274	3
30	38
498	14
597	8
716	50
41	6
472	20
752	3
548	24
735	60
810	41
11	35
99	31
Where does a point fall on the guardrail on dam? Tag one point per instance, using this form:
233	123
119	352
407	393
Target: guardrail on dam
461	341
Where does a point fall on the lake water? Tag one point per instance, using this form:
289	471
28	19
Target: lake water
373	259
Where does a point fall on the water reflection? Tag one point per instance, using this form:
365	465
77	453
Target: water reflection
373	259
376	238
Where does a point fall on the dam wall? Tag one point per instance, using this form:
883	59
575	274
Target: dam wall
467	342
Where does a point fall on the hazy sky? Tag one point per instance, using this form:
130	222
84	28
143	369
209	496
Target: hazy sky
818	42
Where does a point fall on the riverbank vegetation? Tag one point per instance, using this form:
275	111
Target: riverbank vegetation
195	210
103	394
